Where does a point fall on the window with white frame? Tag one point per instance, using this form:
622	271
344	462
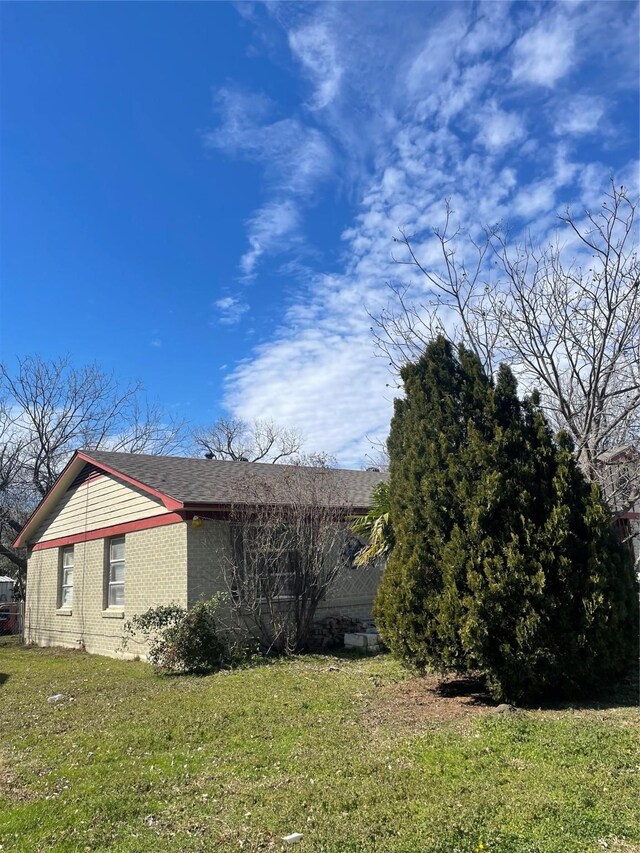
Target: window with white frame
115	594
66	576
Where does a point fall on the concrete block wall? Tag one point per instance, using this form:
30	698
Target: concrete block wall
155	573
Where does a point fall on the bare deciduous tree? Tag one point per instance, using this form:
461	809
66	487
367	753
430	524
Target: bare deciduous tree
48	409
565	317
289	542
239	441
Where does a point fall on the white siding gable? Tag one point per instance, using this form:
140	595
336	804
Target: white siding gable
98	502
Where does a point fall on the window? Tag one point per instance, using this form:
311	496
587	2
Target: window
66	577
279	574
115	596
265	562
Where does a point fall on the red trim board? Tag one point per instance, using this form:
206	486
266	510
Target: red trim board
79	457
19	542
114	530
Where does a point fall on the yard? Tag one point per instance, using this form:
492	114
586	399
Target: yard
351	752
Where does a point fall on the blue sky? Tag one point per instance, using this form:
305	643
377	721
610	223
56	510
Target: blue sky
204	195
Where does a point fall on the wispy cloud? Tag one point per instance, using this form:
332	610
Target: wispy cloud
580	115
498	128
445	118
545	53
432	63
274	227
315	47
296	159
230	310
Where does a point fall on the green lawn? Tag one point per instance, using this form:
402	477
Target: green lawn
348	751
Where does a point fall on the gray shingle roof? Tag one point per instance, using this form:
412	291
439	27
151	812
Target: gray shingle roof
211	481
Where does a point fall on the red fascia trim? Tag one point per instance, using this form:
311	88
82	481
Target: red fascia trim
114	530
18	541
169	502
633	516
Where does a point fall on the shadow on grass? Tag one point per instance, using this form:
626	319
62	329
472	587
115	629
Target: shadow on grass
3	677
626	694
473	688
257	660
470	687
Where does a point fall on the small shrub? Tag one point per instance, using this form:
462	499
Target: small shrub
181	640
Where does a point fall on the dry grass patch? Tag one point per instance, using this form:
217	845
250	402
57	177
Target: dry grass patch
422	702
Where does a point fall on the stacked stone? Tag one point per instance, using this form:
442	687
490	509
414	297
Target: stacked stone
329	632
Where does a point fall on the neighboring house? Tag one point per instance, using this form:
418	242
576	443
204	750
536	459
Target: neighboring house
9	611
620	475
119	533
6	589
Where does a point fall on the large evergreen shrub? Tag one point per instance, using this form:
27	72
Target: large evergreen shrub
504	557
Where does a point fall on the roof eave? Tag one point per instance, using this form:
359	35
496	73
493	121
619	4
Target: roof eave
168	501
67	476
213	506
69	473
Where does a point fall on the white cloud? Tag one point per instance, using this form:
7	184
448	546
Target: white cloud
318	372
435	59
273	228
499	129
296	160
534	199
319	380
490	32
315	47
545	53
230	310
579	115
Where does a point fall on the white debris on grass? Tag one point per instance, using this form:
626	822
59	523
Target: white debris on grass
293	838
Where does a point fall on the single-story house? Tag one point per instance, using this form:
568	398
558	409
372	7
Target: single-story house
119	533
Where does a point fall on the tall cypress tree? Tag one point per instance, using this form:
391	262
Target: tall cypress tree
504	558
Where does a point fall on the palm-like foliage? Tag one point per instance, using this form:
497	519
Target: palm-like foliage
375	527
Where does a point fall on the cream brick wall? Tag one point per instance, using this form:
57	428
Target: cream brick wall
352	593
155	573
208	546
178	563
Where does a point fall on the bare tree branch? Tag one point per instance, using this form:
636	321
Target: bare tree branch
287	547
48	409
260	441
569	325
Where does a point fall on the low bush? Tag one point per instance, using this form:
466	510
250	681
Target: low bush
181	640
